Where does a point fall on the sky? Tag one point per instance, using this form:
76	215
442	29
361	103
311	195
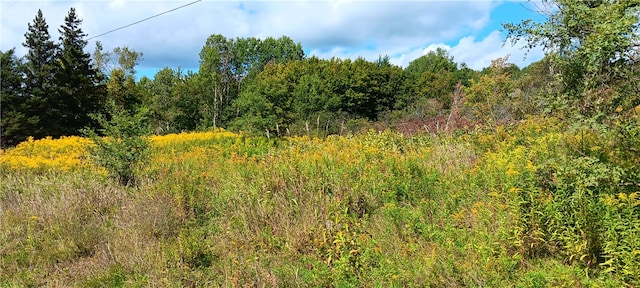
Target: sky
470	30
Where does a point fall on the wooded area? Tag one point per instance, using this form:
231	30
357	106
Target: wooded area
269	86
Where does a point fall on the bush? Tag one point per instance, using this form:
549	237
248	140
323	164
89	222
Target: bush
124	146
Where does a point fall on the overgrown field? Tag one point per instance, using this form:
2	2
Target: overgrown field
533	204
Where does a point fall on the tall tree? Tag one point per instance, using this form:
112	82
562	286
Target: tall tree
123	91
79	91
430	79
278	51
190	102
162	103
267	101
176	101
16	123
216	67
594	46
102	60
434	62
122	58
227	64
314	93
39	69
117	69
371	87
295	93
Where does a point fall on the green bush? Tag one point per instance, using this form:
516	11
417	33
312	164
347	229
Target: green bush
124	146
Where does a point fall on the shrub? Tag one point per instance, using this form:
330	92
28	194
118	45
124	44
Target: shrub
124	146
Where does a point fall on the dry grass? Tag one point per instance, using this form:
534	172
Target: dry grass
377	209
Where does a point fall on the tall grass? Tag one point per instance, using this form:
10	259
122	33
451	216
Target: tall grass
375	209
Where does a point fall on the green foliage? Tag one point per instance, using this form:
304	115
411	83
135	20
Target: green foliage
226	64
121	58
434	62
297	94
122	90
491	99
78	92
18	118
56	88
430	77
538	87
267	103
532	204
621	241
594	44
570	195
124	148
162	99
577	222
523	200
117	70
39	83
621	221
623	142
371	89
115	276
176	101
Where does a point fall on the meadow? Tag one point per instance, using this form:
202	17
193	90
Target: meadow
527	204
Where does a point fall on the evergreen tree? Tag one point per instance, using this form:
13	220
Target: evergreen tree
39	70
15	122
79	92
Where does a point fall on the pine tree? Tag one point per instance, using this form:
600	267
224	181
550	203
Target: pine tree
15	123
39	68
79	92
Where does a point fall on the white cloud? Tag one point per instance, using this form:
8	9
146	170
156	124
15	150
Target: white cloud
344	29
435	47
478	54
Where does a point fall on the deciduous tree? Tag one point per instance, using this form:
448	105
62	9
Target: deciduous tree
431	77
227	64
491	98
595	44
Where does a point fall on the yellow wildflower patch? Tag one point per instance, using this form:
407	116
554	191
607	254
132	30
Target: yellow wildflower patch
182	138
64	154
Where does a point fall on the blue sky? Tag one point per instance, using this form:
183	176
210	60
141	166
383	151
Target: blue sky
403	30
512	12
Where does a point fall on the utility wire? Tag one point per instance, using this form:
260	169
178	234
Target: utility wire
145	19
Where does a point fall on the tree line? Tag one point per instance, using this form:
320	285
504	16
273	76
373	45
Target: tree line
53	89
270	86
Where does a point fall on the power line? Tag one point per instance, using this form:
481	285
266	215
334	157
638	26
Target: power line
145	19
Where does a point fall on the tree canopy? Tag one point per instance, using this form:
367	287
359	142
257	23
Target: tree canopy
269	85
594	44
